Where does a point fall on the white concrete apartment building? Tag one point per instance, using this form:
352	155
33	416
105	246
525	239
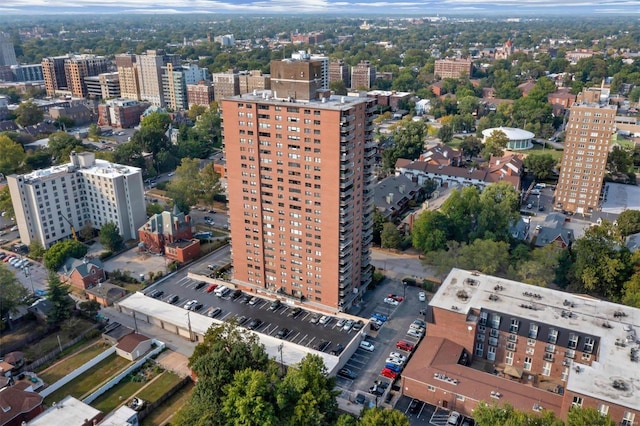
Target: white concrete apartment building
46	201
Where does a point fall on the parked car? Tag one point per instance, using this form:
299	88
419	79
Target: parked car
367	346
358	325
398	356
173	298
275	305
393	367
360	399
190	304
314	319
325	319
348	325
394	361
379	317
254	300
246	298
377	322
254	323
388	373
211	287
236	293
321	346
405	346
415	333
390	301
200	285
375	390
295	312
197	306
395	297
414	406
214	312
241	319
341	322
156	294
422	296
337	350
282	333
454	418
345	372
419	323
417	327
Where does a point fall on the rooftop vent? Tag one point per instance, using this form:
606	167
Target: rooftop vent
620	385
529	294
461	294
494	297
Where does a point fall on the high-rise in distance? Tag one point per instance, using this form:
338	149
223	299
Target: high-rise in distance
300	175
584	161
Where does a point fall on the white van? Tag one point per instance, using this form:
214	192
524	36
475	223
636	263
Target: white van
221	291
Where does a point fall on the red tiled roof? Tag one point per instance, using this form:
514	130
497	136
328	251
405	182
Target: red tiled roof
131	341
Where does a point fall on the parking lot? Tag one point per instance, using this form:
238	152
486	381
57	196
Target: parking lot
301	330
423	414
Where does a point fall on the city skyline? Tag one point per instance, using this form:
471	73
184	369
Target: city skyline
427	8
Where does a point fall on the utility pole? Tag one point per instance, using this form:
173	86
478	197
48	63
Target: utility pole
189	326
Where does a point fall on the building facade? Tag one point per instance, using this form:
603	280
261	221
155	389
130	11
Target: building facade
495	340
291	78
121	113
29	72
53	74
584	160
453	68
150	70
7	51
363	75
340	71
128	75
48	202
76	68
300	196
254	80
225	84
200	94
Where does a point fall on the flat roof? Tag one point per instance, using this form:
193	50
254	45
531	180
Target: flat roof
620	197
332	102
68	411
512	133
291	353
614	325
100	168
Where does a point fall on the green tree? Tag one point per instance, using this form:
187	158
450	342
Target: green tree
11	155
196	111
578	416
11	294
408	138
495	144
338	87
5	202
491	415
498	210
249	400
541	165
429	232
86	232
58	295
471	146
90	308
28	114
390	237
110	237
39	159
382	417
461	209
468	105
378	225
540	268
58	253
445	133
628	223
94	132
208	184
619	161
158	121
61	144
154	208
36	251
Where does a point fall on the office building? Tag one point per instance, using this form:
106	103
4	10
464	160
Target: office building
340	71
64	75
363	75
584	160
225	84
128	75
227	40
175	80
200	94
49	202
453	68
300	190
7	51
500	341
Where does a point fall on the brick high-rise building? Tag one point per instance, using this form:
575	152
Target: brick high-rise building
340	71
363	75
150	70
225	84
584	161
128	75
53	73
453	68
200	94
254	80
291	78
300	190
78	67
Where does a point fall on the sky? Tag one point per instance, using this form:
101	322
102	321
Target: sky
422	7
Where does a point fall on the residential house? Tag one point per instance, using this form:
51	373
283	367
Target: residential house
105	293
69	411
170	234
442	155
552	230
115	331
133	346
393	194
18	406
82	273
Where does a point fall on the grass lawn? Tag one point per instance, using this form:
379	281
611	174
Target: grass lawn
162	384
455	143
537	150
50	342
112	398
90	380
57	371
160	415
131	287
20	332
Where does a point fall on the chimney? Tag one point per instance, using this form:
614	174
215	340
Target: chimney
401	189
390	198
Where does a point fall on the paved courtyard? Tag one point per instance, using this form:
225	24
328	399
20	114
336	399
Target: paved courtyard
136	263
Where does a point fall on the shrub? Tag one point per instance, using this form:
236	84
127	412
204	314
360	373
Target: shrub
105	255
92	334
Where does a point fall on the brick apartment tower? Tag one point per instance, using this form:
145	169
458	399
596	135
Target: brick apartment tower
584	161
453	68
363	75
128	75
300	189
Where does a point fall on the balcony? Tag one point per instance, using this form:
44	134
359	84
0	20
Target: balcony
367	240
346	148
370	144
347	138
347	129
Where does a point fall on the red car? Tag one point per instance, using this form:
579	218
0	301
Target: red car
395	297
386	372
405	346
211	287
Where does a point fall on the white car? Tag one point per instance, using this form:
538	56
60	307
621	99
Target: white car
394	361
391	301
376	321
367	346
415	333
398	356
422	296
325	319
347	326
454	418
190	304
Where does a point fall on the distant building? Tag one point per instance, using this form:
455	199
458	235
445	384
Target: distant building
363	75
389	98
65	74
150	70
82	273
453	68
226	40
7	51
324	67
253	80
169	234
340	71
24	73
128	76
200	94
226	84
519	139
84	190
79	113
552	231
315	37
121	113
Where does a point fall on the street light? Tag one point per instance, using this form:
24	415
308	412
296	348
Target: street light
404	289
27	273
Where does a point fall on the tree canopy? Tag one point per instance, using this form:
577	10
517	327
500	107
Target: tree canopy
58	253
11	155
540	165
110	237
58	295
28	114
11	293
408	141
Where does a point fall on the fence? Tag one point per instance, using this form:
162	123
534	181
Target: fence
20	344
114	381
77	372
168	394
56	352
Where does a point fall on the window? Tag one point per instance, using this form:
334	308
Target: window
573	341
530	351
603	409
628	418
479	349
509	358
553	336
491	353
586	357
546	369
513	328
531	342
528	361
577	401
483	318
588	344
460	397
495	321
533	331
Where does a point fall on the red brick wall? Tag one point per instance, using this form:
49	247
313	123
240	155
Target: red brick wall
452	326
616	412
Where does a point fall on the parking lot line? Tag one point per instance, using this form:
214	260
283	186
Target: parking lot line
310	341
294	337
225	316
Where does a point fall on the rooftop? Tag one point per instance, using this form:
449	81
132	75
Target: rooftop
511	132
614	325
70	411
619	197
99	168
333	102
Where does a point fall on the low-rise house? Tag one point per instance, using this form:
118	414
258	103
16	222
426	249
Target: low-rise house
18	406
105	293
69	411
82	273
114	332
552	230
393	194
133	346
169	234
442	155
